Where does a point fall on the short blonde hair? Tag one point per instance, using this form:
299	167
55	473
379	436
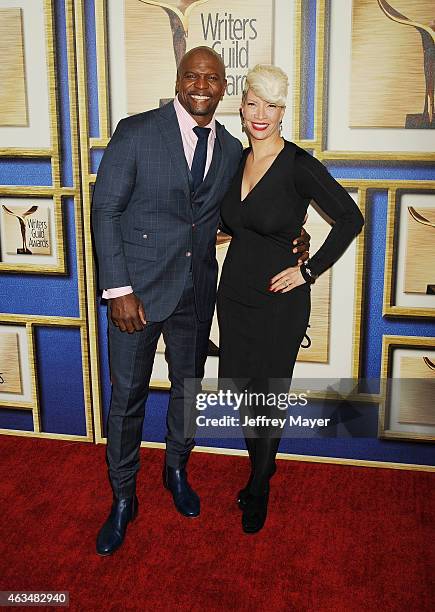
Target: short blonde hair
267	82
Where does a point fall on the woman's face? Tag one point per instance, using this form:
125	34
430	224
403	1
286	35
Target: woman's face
261	118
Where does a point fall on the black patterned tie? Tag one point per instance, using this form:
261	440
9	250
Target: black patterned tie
200	156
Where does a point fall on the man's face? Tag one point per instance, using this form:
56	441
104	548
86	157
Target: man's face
200	85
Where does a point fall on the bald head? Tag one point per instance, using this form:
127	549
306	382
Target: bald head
198	51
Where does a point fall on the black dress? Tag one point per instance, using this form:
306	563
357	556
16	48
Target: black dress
261	331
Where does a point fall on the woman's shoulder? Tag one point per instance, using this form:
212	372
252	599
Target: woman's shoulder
295	155
294	149
304	160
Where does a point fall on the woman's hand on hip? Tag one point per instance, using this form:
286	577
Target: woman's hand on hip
286	280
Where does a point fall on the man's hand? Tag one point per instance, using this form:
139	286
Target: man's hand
302	245
127	313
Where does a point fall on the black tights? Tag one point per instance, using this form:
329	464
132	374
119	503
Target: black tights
262	453
262	441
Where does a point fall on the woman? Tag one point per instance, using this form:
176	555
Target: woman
264	296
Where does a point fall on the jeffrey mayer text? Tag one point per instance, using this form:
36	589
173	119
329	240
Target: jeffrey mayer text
260	421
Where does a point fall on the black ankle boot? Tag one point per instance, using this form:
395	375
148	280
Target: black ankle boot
243	494
255	512
185	499
112	533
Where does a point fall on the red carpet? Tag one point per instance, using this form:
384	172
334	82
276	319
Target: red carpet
338	538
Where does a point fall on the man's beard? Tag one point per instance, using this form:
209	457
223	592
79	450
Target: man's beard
201	113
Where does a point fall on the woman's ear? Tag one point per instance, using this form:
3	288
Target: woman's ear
242	119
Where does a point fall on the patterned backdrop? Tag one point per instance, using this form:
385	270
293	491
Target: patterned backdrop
361	100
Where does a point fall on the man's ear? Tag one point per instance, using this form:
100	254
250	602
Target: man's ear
225	88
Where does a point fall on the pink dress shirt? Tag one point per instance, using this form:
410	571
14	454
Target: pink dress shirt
189	138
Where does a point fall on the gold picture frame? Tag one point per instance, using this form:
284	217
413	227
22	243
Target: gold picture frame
42	47
109	37
25	325
13	95
89	144
390	426
53	233
17	367
333	44
406	200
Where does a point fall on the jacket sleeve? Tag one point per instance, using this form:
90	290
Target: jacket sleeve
114	185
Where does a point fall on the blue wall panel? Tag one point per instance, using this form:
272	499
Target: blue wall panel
26	172
308	55
60	378
64	94
91	60
386	172
16	419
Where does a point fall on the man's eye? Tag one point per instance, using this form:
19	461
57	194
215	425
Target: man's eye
212	78
189	76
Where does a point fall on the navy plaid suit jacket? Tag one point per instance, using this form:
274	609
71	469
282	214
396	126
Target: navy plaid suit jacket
149	228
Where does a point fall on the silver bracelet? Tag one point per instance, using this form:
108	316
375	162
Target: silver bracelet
309	272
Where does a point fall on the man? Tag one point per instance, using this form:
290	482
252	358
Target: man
155	216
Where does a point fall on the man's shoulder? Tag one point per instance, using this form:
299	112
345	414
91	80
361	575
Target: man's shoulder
139	119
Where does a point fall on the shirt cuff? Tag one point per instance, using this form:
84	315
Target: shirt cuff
109	294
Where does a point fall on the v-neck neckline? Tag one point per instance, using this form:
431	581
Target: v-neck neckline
260	179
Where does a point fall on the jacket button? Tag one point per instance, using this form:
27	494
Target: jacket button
145	236
188	253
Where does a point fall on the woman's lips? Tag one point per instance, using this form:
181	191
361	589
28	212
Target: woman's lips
260	126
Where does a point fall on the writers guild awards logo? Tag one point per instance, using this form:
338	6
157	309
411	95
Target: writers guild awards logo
425	119
419	218
24	250
179	21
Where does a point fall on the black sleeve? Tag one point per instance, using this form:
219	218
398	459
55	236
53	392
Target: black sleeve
221	226
314	182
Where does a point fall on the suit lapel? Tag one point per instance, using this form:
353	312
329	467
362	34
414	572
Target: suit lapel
171	134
